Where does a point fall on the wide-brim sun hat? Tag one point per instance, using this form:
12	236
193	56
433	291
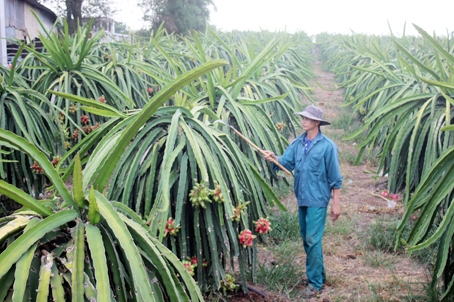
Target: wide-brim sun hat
314	113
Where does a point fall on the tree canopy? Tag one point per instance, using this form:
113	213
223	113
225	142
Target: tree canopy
178	16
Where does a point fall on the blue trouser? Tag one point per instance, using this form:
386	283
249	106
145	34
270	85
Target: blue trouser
312	225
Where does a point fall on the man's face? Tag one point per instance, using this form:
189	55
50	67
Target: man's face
309	124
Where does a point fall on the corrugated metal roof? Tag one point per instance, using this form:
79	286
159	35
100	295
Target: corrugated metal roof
40	6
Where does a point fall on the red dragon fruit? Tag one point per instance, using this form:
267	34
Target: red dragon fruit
56	160
189	267
217	193
262	226
193	260
84	119
102	99
87	129
171	228
36	168
75	135
246	238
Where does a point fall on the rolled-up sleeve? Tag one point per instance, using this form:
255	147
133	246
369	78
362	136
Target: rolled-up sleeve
333	169
288	158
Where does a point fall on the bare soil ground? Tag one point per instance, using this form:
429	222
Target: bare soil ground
350	275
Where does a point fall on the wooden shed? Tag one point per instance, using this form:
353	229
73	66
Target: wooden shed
18	22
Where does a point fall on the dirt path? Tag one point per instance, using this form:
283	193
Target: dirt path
354	272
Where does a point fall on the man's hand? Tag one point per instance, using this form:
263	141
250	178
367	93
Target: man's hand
335	207
269	155
335	211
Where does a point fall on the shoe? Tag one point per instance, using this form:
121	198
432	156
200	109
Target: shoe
310	292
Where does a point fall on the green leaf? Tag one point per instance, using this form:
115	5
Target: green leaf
14	64
440	49
93	211
148	110
437	83
58	293
439	172
118	273
44	278
416	61
22	273
246	101
23	198
95	107
23	268
100	112
97	159
89	289
448	128
140	283
16	249
97	252
42	160
77	280
271	197
78	190
146	241
6	282
14	226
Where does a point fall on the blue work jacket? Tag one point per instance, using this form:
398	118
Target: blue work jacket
316	173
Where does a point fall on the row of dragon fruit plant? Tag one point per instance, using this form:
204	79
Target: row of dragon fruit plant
148	124
403	89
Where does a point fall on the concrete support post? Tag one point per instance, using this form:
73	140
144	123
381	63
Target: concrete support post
3	56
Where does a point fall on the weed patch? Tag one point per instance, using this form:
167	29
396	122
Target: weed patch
382	236
344	226
283	277
285	227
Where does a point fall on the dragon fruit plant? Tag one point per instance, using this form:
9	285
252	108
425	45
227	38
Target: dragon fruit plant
82	246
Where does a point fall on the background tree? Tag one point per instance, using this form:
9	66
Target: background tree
121	28
179	16
75	10
97	8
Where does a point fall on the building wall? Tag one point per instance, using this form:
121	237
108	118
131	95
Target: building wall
14	19
17	22
20	22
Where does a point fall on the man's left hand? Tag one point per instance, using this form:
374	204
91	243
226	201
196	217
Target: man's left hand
335	211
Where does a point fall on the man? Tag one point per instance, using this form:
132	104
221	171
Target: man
314	159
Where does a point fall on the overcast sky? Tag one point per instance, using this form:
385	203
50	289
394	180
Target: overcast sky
316	16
